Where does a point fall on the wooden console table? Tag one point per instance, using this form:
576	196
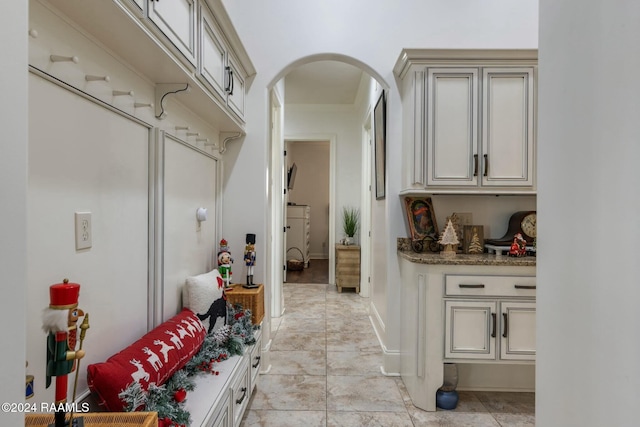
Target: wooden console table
348	267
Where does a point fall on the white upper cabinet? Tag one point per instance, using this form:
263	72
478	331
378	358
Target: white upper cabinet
507	126
219	68
175	41
176	19
469	120
452	126
236	92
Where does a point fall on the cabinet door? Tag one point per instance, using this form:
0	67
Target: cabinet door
213	54
518	330
507	127
452	126
222	415
470	329
236	87
176	19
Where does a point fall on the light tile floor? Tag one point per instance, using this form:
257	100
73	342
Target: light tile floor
325	372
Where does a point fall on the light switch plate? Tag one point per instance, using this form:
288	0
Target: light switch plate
83	230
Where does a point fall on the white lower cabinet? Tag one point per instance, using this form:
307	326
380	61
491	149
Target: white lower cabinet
490	317
490	330
223	413
241	393
480	316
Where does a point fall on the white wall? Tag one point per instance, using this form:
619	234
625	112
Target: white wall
85	156
13	193
588	349
373	36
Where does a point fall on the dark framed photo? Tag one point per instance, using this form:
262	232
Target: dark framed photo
380	136
421	218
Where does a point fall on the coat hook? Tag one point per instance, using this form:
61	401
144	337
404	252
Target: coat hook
91	78
164	89
58	58
33	33
193	133
122	92
142	104
182	127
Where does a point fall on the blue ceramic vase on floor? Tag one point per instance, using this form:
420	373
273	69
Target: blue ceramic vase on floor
447	399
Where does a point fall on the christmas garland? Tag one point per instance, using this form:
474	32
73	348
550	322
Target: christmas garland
168	399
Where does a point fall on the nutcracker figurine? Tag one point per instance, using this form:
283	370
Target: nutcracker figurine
250	258
59	320
224	263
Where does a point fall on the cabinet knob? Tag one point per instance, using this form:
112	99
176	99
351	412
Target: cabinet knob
475	165
486	165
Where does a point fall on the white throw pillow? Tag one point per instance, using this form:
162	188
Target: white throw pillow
203	295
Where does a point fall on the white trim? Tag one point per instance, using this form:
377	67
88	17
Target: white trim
365	205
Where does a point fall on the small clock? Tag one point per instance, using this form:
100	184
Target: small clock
523	222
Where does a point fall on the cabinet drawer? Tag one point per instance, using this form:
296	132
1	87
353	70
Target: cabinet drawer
254	361
240	393
490	286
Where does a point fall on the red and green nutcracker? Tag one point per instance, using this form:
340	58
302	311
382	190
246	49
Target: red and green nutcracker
60	320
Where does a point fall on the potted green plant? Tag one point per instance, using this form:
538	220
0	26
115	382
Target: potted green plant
350	223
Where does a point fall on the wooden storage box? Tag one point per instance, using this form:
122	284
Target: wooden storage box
348	267
253	299
100	419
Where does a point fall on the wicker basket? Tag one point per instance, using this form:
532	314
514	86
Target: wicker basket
100	419
253	299
295	264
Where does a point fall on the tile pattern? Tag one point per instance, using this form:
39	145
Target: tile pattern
325	372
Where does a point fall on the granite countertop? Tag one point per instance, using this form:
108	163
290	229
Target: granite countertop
405	251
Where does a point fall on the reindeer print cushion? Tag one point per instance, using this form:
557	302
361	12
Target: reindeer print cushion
154	358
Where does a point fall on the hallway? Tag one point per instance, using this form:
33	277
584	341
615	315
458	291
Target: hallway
325	372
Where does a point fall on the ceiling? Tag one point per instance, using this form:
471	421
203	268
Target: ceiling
323	82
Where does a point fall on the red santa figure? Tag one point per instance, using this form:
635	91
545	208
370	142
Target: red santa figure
59	320
519	246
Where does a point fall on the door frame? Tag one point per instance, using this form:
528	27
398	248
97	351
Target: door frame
331	138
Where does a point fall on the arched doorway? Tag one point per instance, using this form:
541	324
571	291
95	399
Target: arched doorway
347	165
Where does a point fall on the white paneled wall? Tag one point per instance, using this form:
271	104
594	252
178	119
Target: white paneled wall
92	151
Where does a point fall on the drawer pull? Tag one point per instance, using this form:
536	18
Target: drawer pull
493	328
244	394
464	286
525	286
505	320
257	362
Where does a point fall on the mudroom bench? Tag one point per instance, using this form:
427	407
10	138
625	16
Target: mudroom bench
216	343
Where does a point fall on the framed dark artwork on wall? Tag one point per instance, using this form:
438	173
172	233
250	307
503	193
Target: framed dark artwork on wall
421	218
379	134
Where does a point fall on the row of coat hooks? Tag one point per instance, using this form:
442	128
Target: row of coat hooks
161	92
196	134
94	78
